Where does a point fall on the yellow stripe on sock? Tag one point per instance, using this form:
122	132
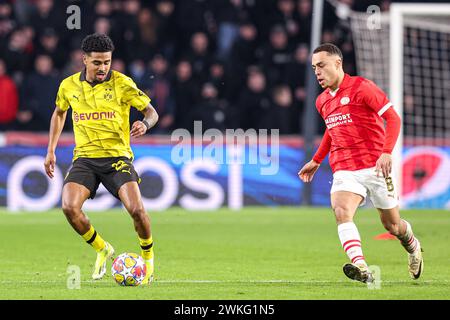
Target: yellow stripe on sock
94	239
146	248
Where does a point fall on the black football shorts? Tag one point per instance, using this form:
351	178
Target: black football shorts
111	172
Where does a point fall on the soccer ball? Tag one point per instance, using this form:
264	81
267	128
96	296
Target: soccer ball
129	269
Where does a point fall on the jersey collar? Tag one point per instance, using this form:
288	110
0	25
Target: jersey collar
83	77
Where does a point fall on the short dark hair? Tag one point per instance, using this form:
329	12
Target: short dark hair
97	42
330	49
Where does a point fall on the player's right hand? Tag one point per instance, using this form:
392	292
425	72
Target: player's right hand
306	173
49	164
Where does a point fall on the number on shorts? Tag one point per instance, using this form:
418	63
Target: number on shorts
389	184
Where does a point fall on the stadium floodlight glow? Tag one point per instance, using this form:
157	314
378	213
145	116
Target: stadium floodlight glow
408	56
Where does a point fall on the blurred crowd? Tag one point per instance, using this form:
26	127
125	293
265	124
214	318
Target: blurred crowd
228	63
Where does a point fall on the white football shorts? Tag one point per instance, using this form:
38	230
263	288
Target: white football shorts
381	191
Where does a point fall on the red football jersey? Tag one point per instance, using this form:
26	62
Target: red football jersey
352	115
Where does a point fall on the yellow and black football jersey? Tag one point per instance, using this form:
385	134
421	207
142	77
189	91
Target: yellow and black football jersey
100	113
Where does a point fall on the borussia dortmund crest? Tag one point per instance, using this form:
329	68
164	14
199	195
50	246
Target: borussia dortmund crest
108	95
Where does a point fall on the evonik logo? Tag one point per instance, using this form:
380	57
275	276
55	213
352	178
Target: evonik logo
93	115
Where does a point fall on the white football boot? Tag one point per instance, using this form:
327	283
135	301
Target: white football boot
415	262
358	272
100	262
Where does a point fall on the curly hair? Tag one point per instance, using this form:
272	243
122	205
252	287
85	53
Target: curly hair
97	43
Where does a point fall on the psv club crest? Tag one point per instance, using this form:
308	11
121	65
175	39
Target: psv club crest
345	100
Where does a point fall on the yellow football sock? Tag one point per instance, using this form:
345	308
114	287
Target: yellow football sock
94	239
146	248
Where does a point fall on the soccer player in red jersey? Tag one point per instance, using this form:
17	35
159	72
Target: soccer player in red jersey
360	147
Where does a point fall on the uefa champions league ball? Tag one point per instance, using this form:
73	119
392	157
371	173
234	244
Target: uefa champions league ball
128	269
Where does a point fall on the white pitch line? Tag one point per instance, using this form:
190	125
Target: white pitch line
180	281
287	281
293	281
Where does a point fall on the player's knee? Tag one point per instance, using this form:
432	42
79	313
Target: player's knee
70	209
74	214
138	213
343	214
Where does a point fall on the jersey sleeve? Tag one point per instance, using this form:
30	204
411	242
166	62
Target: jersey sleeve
375	98
61	99
319	105
133	96
324	148
393	124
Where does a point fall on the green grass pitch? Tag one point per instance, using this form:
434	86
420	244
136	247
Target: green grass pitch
257	253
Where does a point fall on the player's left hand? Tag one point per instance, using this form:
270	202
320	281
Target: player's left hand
138	129
384	165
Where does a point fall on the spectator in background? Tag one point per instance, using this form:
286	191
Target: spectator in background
102	25
228	15
131	9
328	36
117	5
282	114
296	74
285	16
243	53
16	57
199	55
45	16
211	111
103	9
143	37
166	27
9	99
119	65
276	54
260	15
107	25
106	22
129	22
48	45
385	5
38	95
74	65
138	73
253	101
22	10
303	16
148	32
193	16
7	23
160	90
218	76
29	35
186	92
348	53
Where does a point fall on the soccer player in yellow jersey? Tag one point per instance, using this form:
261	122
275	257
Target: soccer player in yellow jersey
101	99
